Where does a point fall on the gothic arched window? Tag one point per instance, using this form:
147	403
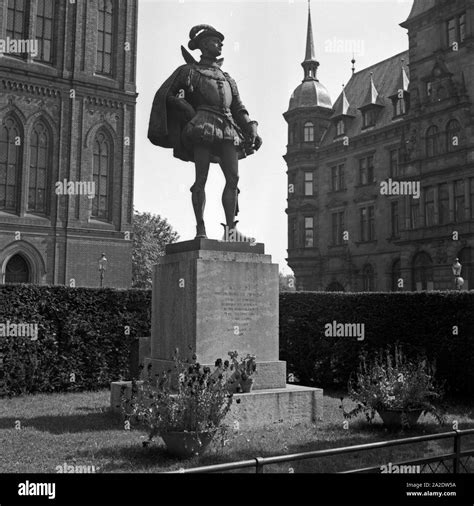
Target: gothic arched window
453	130
102	169
422	271
368	278
308	132
105	35
432	141
40	161
10	164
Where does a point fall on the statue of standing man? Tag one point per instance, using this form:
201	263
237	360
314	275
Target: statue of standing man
198	112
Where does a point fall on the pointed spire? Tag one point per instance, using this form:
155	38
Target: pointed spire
310	54
343	107
353	61
372	97
310	64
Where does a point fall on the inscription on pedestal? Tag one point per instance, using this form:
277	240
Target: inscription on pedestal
239	308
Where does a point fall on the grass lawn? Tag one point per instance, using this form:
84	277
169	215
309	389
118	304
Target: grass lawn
78	429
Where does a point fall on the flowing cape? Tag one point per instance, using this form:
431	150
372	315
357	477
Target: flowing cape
165	126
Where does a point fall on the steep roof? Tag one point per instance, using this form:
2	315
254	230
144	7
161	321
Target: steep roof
419	7
386	77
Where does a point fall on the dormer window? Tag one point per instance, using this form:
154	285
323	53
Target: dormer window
400	107
369	118
308	132
340	128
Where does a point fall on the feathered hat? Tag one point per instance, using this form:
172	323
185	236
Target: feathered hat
199	33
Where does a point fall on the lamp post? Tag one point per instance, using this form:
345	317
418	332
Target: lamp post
102	268
458	280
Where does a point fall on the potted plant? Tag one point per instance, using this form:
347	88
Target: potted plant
395	387
185	407
243	370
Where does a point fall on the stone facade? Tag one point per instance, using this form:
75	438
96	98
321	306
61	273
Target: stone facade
405	121
67	112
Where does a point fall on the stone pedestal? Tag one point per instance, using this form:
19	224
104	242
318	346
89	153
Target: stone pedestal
212	297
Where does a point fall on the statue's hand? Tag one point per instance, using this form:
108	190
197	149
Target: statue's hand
258	143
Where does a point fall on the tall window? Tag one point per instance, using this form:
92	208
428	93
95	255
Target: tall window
453	131
367	224
443	204
395	219
462	28
414	213
105	31
422	272
396	274
308	184
44	30
466	257
101	173
459	201
337	228
292	233
451	31
368	278
366	170
429	207
472	198
340	127
39	164
309	232
309	132
394	163
400	106
10	164
337	178
369	116
432	141
16	19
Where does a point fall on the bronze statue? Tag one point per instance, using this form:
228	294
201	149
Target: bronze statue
198	113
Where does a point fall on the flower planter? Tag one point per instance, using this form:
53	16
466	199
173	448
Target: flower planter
187	444
246	385
394	417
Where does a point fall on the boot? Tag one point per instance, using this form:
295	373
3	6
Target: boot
201	231
231	234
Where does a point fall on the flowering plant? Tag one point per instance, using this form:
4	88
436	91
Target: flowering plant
245	368
192	399
390	381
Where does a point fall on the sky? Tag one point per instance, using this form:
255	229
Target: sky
263	49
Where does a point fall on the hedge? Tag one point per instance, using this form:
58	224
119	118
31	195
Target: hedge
85	335
438	323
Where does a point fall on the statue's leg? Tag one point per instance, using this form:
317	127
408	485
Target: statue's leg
202	159
230	167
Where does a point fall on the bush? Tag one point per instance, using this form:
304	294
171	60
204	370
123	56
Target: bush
84	336
440	324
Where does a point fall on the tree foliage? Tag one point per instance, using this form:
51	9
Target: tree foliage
151	233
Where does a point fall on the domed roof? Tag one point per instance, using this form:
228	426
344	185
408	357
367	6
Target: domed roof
310	93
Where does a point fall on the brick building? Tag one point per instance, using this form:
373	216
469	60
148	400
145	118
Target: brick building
356	221
67	114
